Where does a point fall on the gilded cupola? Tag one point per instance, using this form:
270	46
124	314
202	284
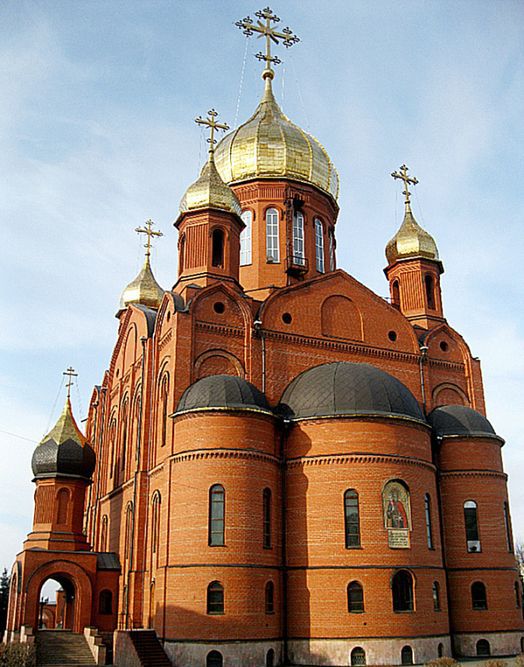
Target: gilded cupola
144	289
410	240
210	191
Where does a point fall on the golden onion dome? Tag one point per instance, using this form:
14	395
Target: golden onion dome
411	241
210	191
144	289
269	145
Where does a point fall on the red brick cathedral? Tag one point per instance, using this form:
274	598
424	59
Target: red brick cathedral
280	466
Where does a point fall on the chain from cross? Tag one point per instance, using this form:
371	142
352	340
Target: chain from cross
70	372
150	233
211	122
266	30
408	180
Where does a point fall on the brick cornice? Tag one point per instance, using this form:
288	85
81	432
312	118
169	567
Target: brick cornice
220	329
474	473
364	458
203	454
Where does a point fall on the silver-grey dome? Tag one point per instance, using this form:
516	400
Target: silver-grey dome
459	420
224	392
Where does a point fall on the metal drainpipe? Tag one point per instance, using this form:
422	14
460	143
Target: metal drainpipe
422	360
285	425
143	340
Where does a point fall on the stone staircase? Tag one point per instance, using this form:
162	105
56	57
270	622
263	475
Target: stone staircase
149	649
62	648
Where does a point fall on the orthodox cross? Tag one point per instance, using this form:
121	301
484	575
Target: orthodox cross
149	233
268	31
70	372
211	122
407	181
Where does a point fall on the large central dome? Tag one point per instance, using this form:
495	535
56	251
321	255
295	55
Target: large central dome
269	145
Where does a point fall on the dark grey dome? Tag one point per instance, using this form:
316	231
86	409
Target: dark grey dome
347	388
458	420
64	450
222	391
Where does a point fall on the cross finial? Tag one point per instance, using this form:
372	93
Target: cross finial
265	29
149	233
211	122
403	175
70	372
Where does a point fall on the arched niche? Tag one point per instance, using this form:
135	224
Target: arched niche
340	318
217	362
448	394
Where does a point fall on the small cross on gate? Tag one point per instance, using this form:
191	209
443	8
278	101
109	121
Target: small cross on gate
70	372
149	233
407	181
213	125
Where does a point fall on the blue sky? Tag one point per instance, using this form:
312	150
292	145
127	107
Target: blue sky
97	135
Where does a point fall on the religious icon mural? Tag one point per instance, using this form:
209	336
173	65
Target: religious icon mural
397	514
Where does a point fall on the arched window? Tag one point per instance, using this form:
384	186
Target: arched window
182	252
129	530
406	655
215	598
266	518
522	644
471	523
155	523
270	658
483	647
440	650
298	239
358	657
478	595
62	501
104	534
402	587
216	515
436	596
270	598
272	252
517	594
319	245
429	284
245	238
395	294
507	525
135	431
164	396
112	444
427	513
214	659
351	519
217	240
332	260
123	448
105	602
355	597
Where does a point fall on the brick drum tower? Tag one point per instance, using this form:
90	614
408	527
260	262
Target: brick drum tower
289	468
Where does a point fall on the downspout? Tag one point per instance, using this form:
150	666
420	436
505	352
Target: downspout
422	361
143	340
259	333
285	425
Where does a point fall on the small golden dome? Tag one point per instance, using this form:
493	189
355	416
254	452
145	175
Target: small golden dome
144	289
269	145
210	191
411	241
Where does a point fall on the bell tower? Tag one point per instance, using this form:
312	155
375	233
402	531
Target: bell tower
414	267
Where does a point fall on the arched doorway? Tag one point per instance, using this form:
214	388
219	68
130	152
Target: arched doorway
56	603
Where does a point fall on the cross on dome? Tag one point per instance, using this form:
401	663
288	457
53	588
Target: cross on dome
70	372
150	233
267	30
403	176
212	124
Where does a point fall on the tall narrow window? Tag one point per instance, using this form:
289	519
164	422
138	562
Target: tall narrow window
155	522
105	602
471	523
351	519
483	647
402	587
436	596
266	518
319	245
245	238
332	261
427	513
429	284
103	534
298	239
355	597
123	449
395	294
216	515
507	525
270	598
181	252
217	258
479	599
128	536
358	657
215	598
270	658
112	444
406	655
214	659
62	503
164	395
517	594
272	253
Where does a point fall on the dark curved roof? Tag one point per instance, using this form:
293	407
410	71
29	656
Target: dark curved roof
222	391
348	388
64	450
458	420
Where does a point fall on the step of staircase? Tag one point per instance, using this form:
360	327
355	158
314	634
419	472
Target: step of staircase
62	648
149	649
